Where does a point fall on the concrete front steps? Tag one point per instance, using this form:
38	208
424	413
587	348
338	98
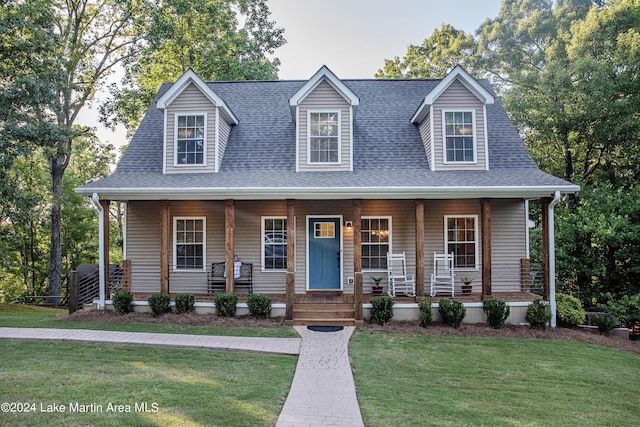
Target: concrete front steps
324	314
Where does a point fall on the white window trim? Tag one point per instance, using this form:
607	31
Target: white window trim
204	243
389	218
327	110
175	139
476	243
444	136
262	231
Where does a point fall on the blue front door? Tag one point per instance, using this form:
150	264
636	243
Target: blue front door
324	253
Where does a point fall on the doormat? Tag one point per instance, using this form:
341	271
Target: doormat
325	328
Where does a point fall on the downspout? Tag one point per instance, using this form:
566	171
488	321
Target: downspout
96	202
552	259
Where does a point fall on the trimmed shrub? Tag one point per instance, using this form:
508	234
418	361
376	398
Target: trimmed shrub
569	310
426	314
452	312
381	309
259	306
497	312
184	303
159	304
538	314
226	305
122	302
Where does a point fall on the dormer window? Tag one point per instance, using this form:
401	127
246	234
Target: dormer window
324	137
190	139
459	137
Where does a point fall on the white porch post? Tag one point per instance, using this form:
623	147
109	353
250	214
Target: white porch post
101	270
552	259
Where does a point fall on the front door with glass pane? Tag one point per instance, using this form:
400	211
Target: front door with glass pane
324	253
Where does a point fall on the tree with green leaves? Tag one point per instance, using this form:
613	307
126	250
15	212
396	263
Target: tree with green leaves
597	245
54	56
218	39
26	227
570	82
434	58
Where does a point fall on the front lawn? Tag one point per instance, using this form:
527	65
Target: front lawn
414	380
112	385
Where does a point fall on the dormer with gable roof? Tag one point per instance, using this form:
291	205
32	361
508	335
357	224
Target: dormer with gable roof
324	111
197	124
452	120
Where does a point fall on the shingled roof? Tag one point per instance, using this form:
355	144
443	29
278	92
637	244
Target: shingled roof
389	158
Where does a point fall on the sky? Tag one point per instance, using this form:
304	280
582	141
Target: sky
351	37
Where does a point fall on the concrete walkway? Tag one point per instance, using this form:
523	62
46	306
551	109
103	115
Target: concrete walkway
322	393
210	342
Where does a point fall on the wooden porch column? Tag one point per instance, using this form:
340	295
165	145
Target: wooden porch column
165	225
230	223
419	247
485	207
291	260
545	246
357	258
126	275
105	234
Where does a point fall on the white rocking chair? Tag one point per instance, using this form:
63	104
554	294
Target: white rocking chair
399	280
443	276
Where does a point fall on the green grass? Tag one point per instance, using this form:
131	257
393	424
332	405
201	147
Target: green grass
401	379
412	380
22	316
188	387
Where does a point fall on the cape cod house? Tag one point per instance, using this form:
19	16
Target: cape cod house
312	183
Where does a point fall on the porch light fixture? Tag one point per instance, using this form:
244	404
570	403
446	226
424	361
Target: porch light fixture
348	224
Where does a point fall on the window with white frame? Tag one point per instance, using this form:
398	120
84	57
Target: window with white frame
274	243
376	242
190	139
458	136
461	239
324	138
189	243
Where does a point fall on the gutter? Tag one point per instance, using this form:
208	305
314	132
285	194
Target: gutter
552	259
96	202
324	193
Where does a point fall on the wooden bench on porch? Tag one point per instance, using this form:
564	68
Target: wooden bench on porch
243	277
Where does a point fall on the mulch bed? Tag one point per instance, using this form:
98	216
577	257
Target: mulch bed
466	330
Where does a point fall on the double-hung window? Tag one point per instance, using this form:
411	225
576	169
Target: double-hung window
189	243
190	139
461	238
324	137
459	137
274	243
376	242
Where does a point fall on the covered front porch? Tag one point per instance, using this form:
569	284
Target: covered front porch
356	284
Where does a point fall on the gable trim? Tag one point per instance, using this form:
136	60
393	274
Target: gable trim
486	139
164	142
216	154
433	142
457	74
323	74
183	82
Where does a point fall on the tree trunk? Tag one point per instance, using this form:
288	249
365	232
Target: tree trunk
57	167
